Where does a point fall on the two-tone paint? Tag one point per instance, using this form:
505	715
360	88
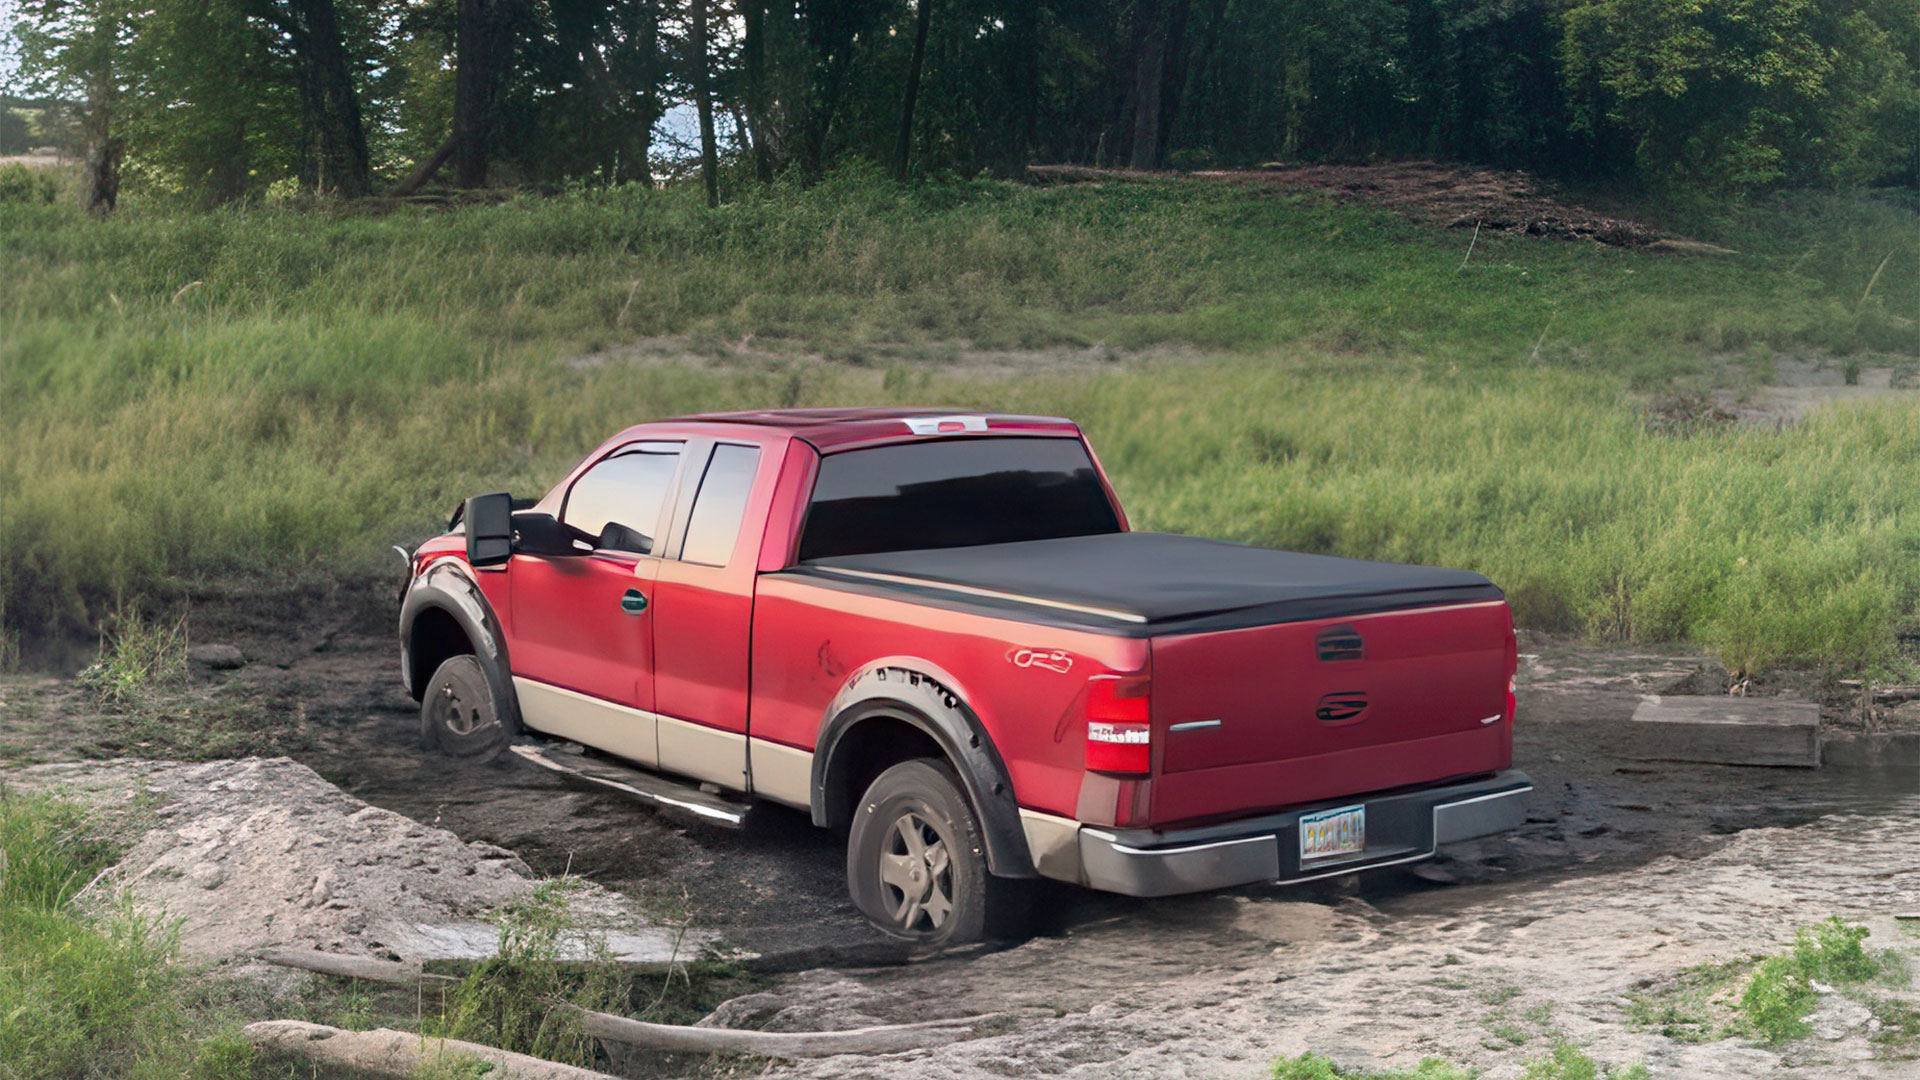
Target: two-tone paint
764	677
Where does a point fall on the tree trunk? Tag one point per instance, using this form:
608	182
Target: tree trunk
1216	15
1148	73
903	149
102	189
484	55
753	49
1173	80
329	105
703	103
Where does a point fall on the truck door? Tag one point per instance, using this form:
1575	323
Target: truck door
704	612
581	630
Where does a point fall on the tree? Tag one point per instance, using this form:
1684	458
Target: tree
78	48
703	104
330	110
484	53
903	148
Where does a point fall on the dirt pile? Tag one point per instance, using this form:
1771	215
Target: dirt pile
262	852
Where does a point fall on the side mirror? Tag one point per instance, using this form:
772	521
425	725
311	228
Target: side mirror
542	534
617	537
489	521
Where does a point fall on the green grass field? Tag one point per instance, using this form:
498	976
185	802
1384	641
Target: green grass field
190	395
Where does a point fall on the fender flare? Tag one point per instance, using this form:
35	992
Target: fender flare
909	691
447	585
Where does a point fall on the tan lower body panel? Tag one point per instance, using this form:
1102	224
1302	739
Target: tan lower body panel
704	753
782	773
1055	845
589	721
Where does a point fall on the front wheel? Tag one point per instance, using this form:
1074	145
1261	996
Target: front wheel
916	862
458	715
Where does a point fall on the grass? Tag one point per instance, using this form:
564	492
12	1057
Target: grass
1693	1007
1782	992
82	997
198	395
1566	1062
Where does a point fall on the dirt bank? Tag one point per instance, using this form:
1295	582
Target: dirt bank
262	853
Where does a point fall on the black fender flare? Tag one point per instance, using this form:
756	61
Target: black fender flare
447	585
907	691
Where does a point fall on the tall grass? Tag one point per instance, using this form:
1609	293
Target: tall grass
260	389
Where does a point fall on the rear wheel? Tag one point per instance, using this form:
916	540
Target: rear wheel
458	715
916	861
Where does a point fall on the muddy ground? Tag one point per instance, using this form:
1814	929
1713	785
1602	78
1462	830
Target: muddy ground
1626	874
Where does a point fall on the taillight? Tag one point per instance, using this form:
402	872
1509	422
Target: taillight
1513	699
1119	735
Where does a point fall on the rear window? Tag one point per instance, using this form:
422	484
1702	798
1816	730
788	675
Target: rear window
954	493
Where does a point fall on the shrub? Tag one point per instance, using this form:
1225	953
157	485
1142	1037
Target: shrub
26	184
1781	994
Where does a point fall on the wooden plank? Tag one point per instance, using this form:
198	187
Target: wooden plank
1726	730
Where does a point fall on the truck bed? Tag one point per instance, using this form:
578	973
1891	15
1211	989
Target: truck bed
1159	583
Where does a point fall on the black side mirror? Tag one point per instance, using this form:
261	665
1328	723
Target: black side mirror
489	521
617	537
542	534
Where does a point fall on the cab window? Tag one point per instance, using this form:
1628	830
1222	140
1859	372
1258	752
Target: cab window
629	488
721	505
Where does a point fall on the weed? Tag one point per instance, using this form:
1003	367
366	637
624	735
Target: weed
511	1000
1899	1034
1569	1062
454	1067
138	657
1316	1067
1781	993
27	185
1694	1006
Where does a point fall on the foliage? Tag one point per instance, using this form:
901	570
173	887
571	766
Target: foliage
1744	93
26	184
1315	1067
1569	1062
1781	993
216	97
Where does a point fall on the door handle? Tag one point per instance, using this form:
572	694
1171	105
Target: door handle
633	602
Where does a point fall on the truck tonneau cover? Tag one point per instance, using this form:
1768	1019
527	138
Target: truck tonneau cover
1167	583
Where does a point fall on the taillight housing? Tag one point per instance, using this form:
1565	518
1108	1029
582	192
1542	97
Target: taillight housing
1513	700
1119	733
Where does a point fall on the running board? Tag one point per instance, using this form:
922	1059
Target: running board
639	784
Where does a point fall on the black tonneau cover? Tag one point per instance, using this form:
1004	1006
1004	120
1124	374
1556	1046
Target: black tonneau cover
1158	582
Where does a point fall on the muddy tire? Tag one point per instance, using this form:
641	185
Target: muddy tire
917	865
458	715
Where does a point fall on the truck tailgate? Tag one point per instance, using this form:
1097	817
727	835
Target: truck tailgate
1272	716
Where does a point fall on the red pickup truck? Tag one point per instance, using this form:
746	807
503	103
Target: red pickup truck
934	631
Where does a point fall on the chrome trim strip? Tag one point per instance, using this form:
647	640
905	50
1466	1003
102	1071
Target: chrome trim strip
1507	793
990	594
1193	725
1125	849
534	755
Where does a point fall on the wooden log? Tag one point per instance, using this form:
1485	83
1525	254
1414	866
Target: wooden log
418	178
399	1054
352	967
1721	730
885	1039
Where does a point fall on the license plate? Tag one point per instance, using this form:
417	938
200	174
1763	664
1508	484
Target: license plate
1333	832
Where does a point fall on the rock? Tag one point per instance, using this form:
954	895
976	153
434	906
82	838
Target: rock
217	657
207	875
1837	1017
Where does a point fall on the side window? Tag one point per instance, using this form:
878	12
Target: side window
721	505
629	488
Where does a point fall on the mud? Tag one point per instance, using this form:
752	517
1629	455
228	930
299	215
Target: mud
1624	875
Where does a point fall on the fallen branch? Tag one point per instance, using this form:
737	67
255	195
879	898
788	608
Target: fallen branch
352	967
419	177
399	1054
885	1039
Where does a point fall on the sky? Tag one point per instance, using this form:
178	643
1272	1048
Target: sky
9	60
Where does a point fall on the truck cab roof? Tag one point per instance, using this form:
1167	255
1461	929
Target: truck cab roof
841	429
